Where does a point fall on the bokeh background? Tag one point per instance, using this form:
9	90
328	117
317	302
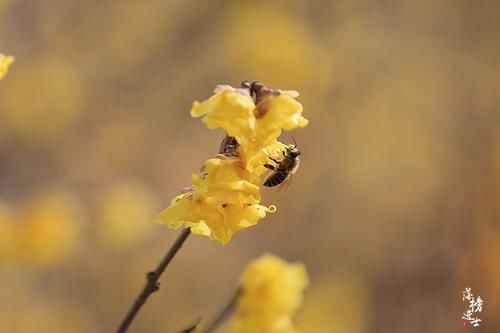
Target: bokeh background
395	209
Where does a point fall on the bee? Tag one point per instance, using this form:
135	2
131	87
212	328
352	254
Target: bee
282	173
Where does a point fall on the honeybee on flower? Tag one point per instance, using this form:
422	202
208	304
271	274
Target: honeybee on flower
285	168
225	195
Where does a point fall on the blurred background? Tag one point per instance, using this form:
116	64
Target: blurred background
396	207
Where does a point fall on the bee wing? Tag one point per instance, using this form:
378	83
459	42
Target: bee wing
286	183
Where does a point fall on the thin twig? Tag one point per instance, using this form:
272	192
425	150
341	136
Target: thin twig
228	146
224	314
192	327
152	283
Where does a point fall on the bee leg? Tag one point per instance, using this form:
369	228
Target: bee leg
274	160
269	166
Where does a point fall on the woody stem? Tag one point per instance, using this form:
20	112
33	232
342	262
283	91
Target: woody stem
152	285
225	312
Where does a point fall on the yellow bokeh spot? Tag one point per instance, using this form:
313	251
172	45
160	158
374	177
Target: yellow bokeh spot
272	42
5	62
49	228
271	291
125	210
331	302
42	99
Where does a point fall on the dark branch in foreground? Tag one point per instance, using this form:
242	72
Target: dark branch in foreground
224	314
228	147
152	283
192	327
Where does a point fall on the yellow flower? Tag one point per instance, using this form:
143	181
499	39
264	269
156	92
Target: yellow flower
271	293
224	199
5	62
49	228
123	208
224	180
278	113
225	194
257	123
234	111
254	157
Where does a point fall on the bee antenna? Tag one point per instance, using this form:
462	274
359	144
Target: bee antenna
294	142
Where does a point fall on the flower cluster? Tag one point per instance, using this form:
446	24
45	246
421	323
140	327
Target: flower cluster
42	231
271	292
5	62
225	194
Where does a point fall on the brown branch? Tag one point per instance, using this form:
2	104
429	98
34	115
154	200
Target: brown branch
228	146
192	327
152	283
224	314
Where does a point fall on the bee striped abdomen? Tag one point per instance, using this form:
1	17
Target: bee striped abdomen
284	169
276	178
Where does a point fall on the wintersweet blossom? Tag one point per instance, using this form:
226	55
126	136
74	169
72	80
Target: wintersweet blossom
225	194
5	62
256	121
271	291
224	199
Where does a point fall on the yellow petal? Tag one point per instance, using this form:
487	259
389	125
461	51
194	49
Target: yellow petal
283	112
225	196
5	62
199	228
227	181
271	293
230	110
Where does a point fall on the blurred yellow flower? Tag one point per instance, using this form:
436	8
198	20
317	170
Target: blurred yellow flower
49	228
43	99
271	291
123	209
5	62
294	52
332	301
225	195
